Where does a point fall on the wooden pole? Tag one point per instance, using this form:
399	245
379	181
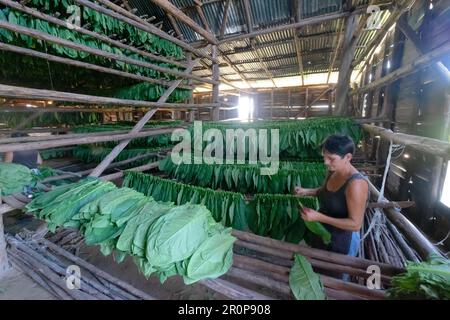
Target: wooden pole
440	68
80	64
170	8
233	291
127	17
4	264
40	94
315	253
417	65
345	69
401	8
138	127
47	37
302	23
85	139
224	19
420	243
215	77
423	144
43	16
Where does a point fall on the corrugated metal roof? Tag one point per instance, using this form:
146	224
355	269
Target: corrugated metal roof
317	42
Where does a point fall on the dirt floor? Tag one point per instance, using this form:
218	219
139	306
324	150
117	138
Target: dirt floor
17	286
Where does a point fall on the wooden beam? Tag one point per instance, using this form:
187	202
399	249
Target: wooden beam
391	204
339	39
414	38
127	17
215	92
224	19
47	37
423	144
170	8
303	23
95	35
40	94
175	26
200	13
416	65
138	127
297	15
345	70
84	139
233	66
84	65
263	64
4	264
248	16
400	8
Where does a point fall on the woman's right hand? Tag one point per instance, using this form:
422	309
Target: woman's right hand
299	191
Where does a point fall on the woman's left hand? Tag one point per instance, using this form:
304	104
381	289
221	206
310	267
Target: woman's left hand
310	215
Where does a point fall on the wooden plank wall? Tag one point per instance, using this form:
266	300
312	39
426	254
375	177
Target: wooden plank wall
419	108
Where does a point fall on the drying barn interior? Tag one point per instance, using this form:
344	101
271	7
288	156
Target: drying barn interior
97	97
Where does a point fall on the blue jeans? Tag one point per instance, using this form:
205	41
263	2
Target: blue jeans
354	244
353	251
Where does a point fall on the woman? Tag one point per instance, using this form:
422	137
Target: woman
343	197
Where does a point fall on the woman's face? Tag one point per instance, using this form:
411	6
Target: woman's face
335	162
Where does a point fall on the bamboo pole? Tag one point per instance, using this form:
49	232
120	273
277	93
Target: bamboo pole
80	64
40	94
138	127
127	17
47	37
43	16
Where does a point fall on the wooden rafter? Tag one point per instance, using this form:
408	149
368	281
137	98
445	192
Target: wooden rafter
170	8
414	38
400	8
123	15
297	15
89	33
50	38
224	19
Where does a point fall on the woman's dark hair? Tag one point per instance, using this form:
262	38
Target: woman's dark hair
338	144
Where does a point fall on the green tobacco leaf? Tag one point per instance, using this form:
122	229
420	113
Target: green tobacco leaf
177	234
213	258
305	284
318	229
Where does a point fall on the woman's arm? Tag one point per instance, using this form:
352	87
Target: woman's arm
356	194
306	192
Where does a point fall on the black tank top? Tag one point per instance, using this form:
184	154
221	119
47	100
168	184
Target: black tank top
334	204
26	158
